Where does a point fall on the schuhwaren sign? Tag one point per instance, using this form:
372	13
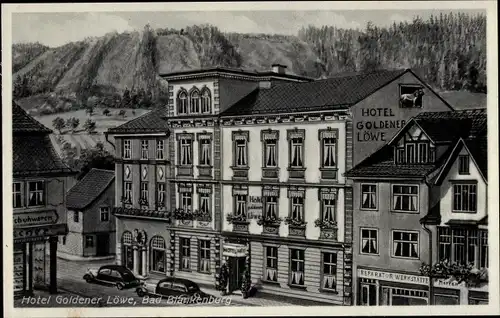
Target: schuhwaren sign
393	277
35	218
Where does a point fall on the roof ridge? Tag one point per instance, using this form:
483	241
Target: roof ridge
100	169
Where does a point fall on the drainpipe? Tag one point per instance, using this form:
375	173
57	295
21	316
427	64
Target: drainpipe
431	283
109	142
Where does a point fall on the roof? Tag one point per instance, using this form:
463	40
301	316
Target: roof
235	71
433	217
153	121
35	155
338	92
462	222
89	188
24	123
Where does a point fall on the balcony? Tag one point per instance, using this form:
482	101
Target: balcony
240	173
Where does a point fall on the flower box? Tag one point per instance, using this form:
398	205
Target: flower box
269	220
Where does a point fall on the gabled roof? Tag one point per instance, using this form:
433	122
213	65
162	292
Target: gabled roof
87	190
338	92
153	121
24	123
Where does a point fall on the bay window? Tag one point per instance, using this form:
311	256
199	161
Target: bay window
405	198
465	197
271	268
297	267
36	193
405	244
463	246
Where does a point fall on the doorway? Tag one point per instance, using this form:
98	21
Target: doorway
102	248
236	268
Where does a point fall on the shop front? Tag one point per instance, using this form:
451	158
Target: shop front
450	292
237	258
379	288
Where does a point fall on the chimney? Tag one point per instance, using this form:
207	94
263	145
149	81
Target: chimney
278	68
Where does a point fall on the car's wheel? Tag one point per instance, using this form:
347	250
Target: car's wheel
120	286
140	293
88	279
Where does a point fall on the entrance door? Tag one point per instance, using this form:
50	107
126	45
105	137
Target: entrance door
128	257
368	295
236	268
102	248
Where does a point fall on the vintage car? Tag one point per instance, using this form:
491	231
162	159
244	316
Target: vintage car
172	286
114	275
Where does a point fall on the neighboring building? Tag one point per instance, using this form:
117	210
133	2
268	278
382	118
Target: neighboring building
422	198
91	226
40	181
286	206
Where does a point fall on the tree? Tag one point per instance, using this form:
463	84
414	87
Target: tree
89	126
106	112
96	157
90	110
73	123
58	124
69	155
122	113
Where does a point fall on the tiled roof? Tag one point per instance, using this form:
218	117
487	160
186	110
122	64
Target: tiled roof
24	123
154	121
479	151
89	188
433	217
338	92
35	154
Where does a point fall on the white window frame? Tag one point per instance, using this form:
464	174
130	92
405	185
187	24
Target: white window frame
194	102
19	193
325	275
206	101
300	145
183	105
207	197
241	161
186	197
273	269
270	147
205	147
144	149
186	148
271	203
298	261
393	199
160	148
240	200
185	260
369	238
127	149
325	144
128	192
144	191
393	248
368	193
299	206
471	194
161	190
37	191
325	206
204	263
104	210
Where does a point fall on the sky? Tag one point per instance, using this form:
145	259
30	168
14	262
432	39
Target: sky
55	29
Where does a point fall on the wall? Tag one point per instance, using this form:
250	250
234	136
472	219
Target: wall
196	147
73	246
92	217
176	86
386	99
232	90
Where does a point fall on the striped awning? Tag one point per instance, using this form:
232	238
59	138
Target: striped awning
329	134
240	191
296	194
240	137
270	135
204	190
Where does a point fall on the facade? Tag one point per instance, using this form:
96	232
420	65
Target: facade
40	181
420	214
91	226
286	206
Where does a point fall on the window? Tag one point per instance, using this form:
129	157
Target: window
36	195
205	101
298	208
270	153
271	269
405	244
76	216
329	271
127	191
144	191
297	267
369	241
127	149
182	105
205	152
89	241
144	149
328	209
186	151
204	265
185	251
271	206
463	246
204	202
464	198
64	240
160	147
17	194
463	164
195	102
368	196
161	193
104	212
296	153
417	152
410	96
405	198
241	205
186	201
328	148
241	153
158	257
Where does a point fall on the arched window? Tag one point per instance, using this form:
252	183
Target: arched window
205	101
195	101
158	254
127	252
182	102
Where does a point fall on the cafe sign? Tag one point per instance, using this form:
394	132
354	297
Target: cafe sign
35	218
234	250
39	233
393	277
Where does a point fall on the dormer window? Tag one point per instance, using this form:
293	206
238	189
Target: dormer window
414	148
410	96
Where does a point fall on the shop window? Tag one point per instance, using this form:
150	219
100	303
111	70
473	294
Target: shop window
185	254
144	149
160	148
405	198
17	194
89	241
204	265
369	241
443	299
104	213
329	274
464	198
368	196
158	254
271	269
405	244
408	297
297	267
36	193
410	96
463	164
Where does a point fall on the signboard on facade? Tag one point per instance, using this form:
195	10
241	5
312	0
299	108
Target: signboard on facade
255	206
35	218
375	122
393	277
234	250
37	233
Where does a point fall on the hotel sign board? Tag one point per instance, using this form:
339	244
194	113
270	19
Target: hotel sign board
393	277
35	218
234	250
